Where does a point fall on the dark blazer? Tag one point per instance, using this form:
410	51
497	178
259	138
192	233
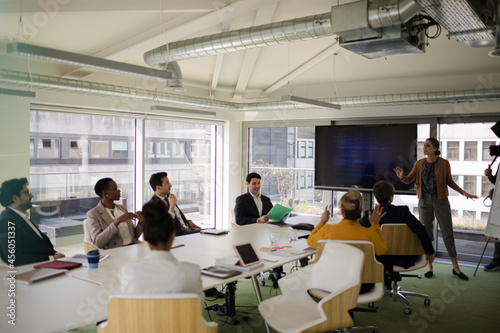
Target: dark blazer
179	231
246	211
29	247
401	214
103	233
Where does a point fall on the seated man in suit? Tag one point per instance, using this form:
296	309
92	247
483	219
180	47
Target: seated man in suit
252	207
384	193
161	186
21	242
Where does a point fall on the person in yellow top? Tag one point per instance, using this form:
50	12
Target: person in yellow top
351	208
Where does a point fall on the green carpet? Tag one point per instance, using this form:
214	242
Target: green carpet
456	305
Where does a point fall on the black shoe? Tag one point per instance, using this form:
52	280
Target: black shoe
461	276
430	274
274	280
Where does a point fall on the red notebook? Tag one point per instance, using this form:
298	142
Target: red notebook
59	264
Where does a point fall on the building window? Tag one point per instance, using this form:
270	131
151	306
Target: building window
470	184
119	149
485	216
420	150
310	183
76	148
470	151
302	152
453	151
32	147
450	190
48	148
99	149
469	214
486	150
310	149
486	186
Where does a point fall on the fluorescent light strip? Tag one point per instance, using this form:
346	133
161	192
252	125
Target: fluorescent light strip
18	93
75	59
309	102
182	112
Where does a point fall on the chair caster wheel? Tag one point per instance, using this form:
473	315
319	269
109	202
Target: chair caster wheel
407	310
371	305
427	302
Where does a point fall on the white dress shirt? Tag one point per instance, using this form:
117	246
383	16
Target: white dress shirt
160	272
258	202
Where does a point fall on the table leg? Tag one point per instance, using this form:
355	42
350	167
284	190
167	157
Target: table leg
259	295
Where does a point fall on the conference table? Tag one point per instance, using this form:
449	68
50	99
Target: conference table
80	296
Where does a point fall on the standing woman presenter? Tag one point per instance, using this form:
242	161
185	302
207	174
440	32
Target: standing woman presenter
433	176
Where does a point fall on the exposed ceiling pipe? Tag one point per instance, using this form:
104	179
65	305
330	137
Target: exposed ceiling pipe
387	13
304	28
92	88
380	14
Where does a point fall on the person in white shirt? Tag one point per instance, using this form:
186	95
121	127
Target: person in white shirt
159	271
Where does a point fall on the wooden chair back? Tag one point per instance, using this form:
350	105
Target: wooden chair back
401	240
373	271
156	313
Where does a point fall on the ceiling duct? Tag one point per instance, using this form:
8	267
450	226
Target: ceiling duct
304	28
370	21
468	21
92	88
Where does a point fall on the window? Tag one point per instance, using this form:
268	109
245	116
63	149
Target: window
302	152
310	149
99	149
453	150
470	151
486	150
32	147
420	150
119	149
310	183
456	180
48	148
183	150
486	186
470	184
469	215
77	148
485	216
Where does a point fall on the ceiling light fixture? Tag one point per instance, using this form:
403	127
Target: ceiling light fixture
309	102
18	93
75	59
182	112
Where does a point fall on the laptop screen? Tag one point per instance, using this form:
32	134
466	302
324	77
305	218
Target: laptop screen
246	254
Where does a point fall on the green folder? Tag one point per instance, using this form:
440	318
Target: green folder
278	212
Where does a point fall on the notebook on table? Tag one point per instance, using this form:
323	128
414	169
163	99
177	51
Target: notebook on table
38	274
59	264
216	232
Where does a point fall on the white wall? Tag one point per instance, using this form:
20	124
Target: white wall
14	138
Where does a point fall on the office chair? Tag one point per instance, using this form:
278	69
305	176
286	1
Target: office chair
337	271
87	243
373	272
151	313
402	241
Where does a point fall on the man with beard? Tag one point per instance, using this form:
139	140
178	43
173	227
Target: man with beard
21	242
